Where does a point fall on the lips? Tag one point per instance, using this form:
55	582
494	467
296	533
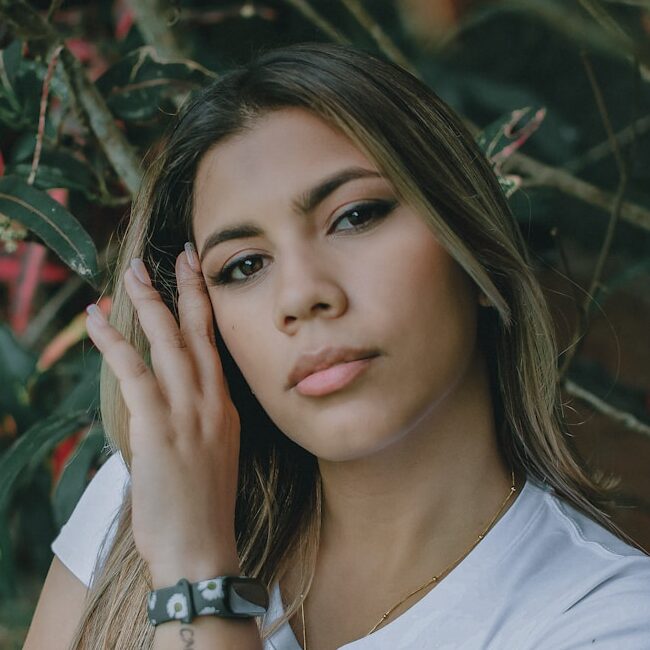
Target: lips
310	363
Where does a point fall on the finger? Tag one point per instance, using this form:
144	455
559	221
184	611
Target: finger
196	322
138	385
169	356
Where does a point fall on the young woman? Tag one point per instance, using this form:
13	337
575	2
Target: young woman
345	388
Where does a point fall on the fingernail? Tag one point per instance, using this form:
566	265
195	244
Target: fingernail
140	270
94	311
192	259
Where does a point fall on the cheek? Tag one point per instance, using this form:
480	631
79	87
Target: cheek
233	332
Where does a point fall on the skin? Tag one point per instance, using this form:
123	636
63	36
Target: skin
407	451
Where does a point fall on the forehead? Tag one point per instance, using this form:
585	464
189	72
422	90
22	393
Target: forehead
283	153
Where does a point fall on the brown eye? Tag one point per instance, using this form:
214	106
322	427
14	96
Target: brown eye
248	267
362	216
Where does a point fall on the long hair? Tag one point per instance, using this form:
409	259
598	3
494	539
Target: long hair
432	161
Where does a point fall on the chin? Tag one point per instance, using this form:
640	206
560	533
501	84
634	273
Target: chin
345	446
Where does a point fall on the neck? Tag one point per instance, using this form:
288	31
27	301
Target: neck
426	496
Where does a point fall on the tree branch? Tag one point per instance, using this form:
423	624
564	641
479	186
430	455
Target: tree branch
381	38
595	285
318	21
625	137
156	30
626	419
537	174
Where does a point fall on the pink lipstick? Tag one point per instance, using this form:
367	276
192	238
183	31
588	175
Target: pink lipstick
333	378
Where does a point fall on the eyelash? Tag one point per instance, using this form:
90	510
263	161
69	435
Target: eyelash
380	209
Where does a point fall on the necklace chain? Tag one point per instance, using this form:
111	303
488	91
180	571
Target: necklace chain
432	580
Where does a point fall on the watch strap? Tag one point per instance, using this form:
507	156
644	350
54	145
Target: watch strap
224	596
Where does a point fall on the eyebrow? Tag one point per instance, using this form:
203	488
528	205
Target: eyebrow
304	204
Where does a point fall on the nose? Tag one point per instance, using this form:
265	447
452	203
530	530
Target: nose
308	287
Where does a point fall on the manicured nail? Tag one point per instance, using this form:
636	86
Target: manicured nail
94	311
192	259
140	270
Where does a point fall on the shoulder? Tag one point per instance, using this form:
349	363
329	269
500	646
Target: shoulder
592	587
86	536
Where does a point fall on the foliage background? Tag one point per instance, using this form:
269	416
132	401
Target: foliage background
87	87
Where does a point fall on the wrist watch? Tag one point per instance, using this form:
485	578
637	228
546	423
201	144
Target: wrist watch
224	596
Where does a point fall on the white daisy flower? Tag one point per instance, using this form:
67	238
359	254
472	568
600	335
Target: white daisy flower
210	589
208	610
152	599
177	606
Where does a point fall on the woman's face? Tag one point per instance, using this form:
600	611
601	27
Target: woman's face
312	280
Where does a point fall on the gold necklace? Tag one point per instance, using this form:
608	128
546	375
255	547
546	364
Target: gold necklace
435	578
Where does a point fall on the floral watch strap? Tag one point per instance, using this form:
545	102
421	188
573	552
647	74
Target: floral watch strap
225	596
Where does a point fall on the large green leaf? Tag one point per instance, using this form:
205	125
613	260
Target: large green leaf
10	109
36	441
75	475
138	85
7	561
10	61
48	219
56	167
16	361
71	384
16	366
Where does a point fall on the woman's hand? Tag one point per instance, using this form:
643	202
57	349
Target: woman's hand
184	429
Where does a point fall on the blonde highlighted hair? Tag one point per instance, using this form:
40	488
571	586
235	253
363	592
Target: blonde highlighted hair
435	166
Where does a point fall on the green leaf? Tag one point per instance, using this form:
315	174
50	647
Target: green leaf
7	562
503	137
10	62
141	83
56	169
15	361
74	478
16	367
71	384
37	440
21	84
48	219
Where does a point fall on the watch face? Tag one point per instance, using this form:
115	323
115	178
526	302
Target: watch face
247	596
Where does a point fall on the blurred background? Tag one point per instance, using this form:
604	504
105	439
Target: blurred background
557	93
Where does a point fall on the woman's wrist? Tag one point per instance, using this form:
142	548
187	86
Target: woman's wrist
194	569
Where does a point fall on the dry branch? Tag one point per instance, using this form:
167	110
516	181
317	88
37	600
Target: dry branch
599	405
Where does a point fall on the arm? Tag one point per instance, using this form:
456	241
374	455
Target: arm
184	437
58	610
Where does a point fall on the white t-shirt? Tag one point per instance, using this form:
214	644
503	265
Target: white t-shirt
545	577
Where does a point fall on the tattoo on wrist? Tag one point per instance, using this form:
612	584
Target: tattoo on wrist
187	637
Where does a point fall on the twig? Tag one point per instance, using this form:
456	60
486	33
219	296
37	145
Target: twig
45	93
601	31
622	171
537	174
321	23
624	137
627	419
55	5
150	16
381	38
559	246
595	284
